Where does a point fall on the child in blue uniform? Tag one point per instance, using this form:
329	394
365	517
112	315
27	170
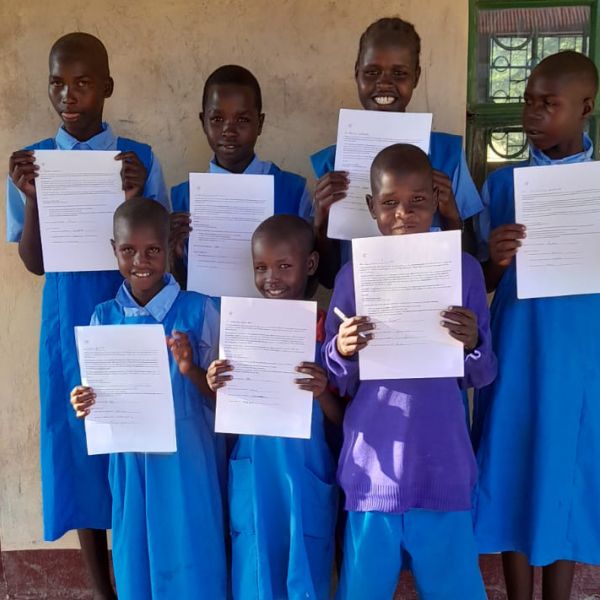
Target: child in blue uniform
387	72
167	519
232	120
407	467
537	427
75	487
282	495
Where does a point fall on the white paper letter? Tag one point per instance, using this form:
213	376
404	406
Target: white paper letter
560	207
265	340
403	283
226	209
77	194
362	134
128	368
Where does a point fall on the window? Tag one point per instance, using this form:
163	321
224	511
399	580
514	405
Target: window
506	40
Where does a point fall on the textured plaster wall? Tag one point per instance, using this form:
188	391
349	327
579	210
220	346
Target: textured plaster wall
302	53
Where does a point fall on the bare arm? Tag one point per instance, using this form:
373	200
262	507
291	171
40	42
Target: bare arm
492	274
332	407
329	256
23	172
505	242
180	346
197	376
330	188
30	244
317	383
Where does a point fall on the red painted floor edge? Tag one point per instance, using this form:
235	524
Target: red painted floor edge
59	574
3	588
585	587
47	574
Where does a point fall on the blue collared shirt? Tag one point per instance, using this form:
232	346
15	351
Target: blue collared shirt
161	304
261	167
256	167
105	140
537	159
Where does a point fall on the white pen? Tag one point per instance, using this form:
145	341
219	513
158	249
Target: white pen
338	313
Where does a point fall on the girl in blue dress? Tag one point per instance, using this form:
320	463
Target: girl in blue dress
75	491
282	493
387	71
537	427
167	518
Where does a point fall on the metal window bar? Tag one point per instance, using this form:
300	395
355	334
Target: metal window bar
507	39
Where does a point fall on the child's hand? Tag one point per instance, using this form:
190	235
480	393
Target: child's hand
349	341
447	202
461	324
180	346
317	381
505	242
217	375
133	174
180	228
82	399
23	170
330	188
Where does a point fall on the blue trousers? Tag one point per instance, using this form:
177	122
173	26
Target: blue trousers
438	547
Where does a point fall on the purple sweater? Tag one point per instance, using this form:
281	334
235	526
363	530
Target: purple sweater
406	443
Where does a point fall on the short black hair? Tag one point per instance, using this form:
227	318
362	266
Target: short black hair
141	212
402	159
82	45
390	30
233	75
283	228
570	65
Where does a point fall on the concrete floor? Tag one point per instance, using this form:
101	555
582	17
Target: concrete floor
59	575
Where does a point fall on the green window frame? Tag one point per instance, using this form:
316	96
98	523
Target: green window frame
488	120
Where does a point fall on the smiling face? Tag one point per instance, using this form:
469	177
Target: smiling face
386	76
77	88
232	124
282	267
142	257
403	203
555	111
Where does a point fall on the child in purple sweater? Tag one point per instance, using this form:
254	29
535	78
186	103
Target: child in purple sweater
406	467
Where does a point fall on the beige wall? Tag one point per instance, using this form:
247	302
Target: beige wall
302	53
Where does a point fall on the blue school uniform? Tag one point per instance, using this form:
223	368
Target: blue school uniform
75	489
282	503
537	427
167	518
407	468
291	193
446	155
438	547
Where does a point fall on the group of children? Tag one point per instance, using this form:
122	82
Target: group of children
415	494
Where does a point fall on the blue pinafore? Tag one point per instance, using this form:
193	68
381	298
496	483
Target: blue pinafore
283	507
75	490
537	427
167	515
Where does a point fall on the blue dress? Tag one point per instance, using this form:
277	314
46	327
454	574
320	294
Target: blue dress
167	515
75	490
291	194
282	502
537	427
